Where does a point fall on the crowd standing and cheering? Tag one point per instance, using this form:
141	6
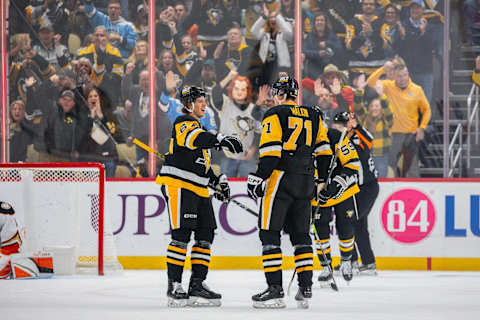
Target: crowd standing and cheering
79	74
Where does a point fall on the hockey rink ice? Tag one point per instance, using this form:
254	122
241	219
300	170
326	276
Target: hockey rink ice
141	295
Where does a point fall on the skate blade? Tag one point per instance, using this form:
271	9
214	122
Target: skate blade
177	303
199	302
303	304
368	273
270	304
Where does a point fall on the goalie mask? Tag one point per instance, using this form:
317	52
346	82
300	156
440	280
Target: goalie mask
285	86
189	95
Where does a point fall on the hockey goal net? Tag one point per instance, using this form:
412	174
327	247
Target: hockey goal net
61	205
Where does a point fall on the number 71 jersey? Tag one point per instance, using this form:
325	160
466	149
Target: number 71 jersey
294	135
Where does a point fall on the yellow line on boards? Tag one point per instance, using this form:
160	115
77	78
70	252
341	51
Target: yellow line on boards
255	263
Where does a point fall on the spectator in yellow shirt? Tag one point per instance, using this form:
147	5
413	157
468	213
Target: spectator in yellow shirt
411	115
476	71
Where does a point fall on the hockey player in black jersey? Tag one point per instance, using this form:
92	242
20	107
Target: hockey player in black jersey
369	188
337	196
292	136
184	179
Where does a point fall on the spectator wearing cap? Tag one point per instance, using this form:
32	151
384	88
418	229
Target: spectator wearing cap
50	48
411	115
121	33
364	42
107	64
417	46
141	23
321	47
336	81
274	34
63	130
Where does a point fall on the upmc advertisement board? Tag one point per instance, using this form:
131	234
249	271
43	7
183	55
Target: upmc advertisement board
414	224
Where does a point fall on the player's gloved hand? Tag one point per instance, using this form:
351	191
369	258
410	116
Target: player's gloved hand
222	189
255	186
232	143
334	189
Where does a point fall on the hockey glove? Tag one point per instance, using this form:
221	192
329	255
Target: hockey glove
222	189
232	143
255	186
336	188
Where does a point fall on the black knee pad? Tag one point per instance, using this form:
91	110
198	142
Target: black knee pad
300	239
204	235
182	235
269	237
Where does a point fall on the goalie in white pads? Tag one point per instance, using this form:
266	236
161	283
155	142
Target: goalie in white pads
14	265
10	240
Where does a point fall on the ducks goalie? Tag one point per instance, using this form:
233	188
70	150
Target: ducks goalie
14	265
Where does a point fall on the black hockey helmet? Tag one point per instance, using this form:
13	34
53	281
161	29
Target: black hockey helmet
190	94
285	86
341	117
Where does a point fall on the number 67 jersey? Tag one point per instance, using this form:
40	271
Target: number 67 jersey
292	136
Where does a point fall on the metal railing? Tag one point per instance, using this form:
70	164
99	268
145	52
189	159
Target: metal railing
454	157
472	116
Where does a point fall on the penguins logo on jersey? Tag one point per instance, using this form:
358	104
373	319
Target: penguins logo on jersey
349	213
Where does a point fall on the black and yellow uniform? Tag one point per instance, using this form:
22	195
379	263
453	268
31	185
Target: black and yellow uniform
291	136
366	54
365	199
184	178
347	165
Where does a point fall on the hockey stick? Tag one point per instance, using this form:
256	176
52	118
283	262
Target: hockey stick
147	148
331	166
333	283
161	156
330	171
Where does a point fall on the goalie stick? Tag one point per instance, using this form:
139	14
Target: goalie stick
333	284
162	156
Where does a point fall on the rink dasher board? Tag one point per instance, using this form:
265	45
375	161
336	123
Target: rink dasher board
415	224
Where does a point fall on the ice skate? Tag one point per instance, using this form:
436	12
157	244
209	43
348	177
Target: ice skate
303	296
201	296
346	270
177	297
272	298
355	268
368	270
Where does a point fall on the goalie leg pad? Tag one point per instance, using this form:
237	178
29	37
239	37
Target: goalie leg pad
24	268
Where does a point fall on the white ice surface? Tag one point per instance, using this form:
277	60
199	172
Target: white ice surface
141	295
